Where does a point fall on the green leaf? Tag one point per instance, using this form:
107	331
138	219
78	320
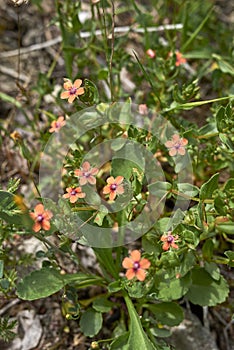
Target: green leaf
47	281
230	255
120	343
126	159
187	262
103	212
137	337
160	188
40	284
125	113
102	304
173	289
208	249
206	291
1	268
208	187
188	189
191	238
105	258
114	287
224	66
220	119
170	314
227	141
90	322
160	332
226	227
8	209
212	269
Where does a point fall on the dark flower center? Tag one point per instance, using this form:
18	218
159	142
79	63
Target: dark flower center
177	145
73	192
113	187
136	266
86	174
40	218
73	90
170	239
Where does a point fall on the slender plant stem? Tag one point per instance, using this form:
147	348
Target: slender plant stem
112	52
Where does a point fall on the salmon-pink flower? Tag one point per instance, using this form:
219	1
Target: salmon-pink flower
56	125
180	59
86	174
176	145
136	266
74	193
41	218
114	187
72	90
169	241
143	109
150	53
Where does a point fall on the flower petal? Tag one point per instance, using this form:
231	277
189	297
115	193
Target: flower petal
45	225
175	137
130	274
83	180
112	195
68	84
77	83
73	198
144	264
48	214
135	255
81	195
92	180
119	180
71	98
174	245
86	166
127	263
94	171
120	189
140	274
36	227
166	246
78	172
66	195
110	180
80	91
106	189
184	141
181	151
39	209
64	95
172	152
169	144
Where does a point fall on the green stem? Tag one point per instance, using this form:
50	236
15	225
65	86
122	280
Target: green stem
207	201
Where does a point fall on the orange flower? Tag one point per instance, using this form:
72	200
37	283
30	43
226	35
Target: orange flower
176	145
86	174
135	266
72	90
41	217
179	59
56	125
74	193
114	187
169	241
